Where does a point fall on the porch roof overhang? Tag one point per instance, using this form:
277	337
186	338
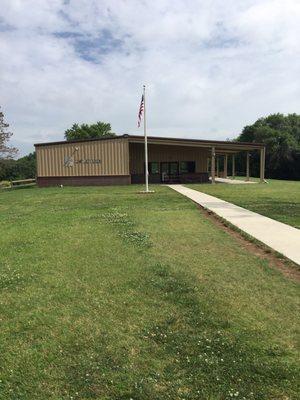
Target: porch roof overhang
221	147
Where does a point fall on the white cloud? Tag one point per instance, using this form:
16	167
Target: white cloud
210	66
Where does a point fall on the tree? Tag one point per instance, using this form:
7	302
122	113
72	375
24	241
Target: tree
5	151
85	131
23	168
26	166
281	135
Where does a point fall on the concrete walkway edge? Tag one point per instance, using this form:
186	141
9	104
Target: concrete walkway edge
234	181
280	237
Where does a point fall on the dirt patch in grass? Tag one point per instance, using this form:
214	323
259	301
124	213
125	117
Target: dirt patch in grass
286	267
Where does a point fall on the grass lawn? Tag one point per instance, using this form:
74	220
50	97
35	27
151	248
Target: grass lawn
277	199
109	294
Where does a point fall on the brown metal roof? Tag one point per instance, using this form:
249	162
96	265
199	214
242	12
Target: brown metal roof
218	144
221	146
80	140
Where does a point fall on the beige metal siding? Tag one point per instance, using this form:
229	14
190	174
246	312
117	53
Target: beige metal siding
112	153
160	153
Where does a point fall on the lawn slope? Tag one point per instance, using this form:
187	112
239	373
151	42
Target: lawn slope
109	294
276	199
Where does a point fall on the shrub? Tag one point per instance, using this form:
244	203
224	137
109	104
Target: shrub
5	184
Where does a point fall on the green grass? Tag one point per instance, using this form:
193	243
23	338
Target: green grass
279	200
110	294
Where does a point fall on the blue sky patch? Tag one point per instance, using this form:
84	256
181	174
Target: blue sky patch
222	38
93	48
5	27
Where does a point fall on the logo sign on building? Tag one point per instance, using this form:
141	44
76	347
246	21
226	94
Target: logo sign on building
70	161
87	161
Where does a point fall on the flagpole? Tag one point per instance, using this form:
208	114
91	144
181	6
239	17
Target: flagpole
146	142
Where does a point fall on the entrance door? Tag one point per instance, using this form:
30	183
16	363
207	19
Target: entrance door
173	169
169	171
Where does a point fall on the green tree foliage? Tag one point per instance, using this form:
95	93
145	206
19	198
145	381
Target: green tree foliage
281	134
85	131
6	152
23	168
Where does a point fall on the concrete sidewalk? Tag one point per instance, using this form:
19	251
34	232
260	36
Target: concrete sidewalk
280	237
233	181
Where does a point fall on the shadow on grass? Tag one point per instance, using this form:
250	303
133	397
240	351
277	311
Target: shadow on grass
193	353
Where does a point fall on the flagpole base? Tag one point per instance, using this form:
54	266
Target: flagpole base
146	192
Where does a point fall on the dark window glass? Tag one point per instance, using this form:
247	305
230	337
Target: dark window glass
153	168
187	166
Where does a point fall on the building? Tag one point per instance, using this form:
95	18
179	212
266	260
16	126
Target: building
119	160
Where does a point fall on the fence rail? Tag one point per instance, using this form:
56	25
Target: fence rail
22	182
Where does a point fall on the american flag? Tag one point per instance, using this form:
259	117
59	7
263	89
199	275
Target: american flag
141	110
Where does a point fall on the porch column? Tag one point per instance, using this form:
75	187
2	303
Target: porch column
248	167
233	166
218	166
213	165
225	165
262	164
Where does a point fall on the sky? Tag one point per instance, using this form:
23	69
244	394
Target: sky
210	66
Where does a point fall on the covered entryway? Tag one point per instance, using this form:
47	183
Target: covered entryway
172	160
219	155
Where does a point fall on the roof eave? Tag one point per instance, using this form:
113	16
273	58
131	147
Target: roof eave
197	142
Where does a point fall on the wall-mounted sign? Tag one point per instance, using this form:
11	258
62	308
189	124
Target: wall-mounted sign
88	161
69	161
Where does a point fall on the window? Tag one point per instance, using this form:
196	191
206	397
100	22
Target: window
153	168
187	167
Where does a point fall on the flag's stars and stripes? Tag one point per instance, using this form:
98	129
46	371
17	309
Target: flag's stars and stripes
141	110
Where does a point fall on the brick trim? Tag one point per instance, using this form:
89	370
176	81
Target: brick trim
104	180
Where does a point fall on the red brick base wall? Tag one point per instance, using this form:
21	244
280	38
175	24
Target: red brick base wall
196	177
103	180
45	181
193	177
